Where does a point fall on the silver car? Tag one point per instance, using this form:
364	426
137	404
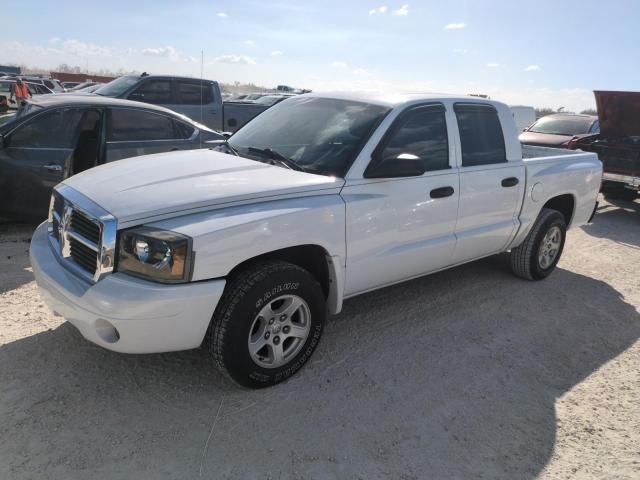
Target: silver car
55	137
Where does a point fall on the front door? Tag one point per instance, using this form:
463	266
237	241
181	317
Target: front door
398	228
34	159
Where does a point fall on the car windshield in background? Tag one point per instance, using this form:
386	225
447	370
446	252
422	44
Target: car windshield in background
562	125
322	135
7	118
118	86
270	99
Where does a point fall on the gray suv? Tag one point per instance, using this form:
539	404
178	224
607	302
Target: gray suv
55	137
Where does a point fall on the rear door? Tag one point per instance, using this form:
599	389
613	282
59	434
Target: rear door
34	159
133	132
398	228
491	188
196	100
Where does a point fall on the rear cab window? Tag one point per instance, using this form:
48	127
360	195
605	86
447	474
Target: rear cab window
193	92
481	136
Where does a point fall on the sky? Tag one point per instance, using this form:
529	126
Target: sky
547	53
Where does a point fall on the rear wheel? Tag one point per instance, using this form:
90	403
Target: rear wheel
267	324
540	251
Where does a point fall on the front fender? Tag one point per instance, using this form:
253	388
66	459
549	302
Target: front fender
222	239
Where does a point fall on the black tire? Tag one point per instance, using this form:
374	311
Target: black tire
244	297
524	258
620	193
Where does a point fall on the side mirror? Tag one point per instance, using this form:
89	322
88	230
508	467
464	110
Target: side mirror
402	166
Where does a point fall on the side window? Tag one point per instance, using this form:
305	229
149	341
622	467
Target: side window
127	125
55	129
183	130
421	133
192	93
48	84
153	91
480	135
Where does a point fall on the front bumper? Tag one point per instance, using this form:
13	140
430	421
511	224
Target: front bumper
123	313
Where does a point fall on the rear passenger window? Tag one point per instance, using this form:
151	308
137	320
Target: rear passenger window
193	93
421	133
127	125
183	130
480	135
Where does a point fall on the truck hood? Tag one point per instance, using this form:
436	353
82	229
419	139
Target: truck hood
619	114
154	187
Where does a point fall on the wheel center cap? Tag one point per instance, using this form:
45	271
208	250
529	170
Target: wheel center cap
276	329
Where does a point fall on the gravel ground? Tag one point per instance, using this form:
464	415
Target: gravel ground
469	373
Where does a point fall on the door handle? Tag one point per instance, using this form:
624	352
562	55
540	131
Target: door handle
441	192
510	182
52	167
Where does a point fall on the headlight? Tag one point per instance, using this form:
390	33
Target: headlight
157	255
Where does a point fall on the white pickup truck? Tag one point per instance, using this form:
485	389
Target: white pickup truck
321	198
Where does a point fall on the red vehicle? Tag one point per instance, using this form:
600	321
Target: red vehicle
617	144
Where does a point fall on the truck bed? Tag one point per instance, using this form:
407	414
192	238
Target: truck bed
530	152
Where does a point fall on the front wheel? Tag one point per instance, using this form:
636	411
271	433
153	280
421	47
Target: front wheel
540	251
267	324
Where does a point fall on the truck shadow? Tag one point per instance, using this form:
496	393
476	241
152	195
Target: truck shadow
14	255
455	375
618	221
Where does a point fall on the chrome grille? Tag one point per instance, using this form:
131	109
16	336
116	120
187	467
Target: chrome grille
81	233
85	227
83	255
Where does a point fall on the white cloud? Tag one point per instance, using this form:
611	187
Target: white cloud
462	51
402	11
82	49
249	43
339	65
532	68
235	59
455	26
276	53
382	9
493	65
221	14
168	52
361	71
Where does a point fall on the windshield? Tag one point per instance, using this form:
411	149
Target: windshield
8	118
118	86
323	135
562	125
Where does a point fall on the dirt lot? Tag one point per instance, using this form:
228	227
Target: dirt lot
469	373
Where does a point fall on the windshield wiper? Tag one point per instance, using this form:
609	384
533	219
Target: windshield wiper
277	156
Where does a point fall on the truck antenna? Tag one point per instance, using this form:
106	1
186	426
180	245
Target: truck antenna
201	87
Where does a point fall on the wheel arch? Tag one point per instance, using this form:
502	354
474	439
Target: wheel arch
327	269
565	204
